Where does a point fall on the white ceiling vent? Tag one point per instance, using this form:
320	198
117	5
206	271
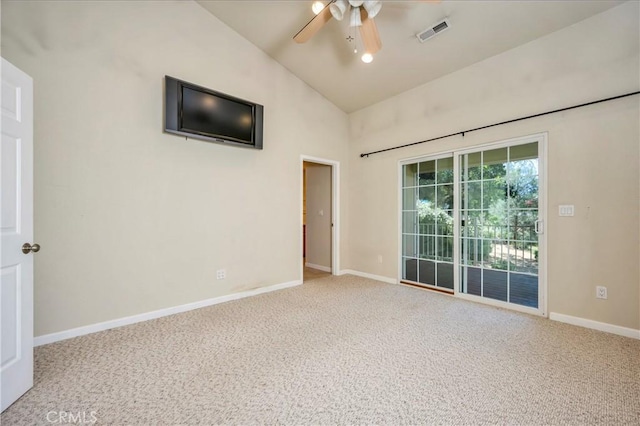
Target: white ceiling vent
433	30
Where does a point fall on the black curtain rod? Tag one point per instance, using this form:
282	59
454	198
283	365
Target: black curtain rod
499	124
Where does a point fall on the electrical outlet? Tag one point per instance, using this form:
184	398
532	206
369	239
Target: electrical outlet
601	292
221	274
379	258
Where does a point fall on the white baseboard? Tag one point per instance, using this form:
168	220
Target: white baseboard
370	276
595	325
93	328
318	267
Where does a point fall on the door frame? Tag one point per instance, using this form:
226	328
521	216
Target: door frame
335	211
542	139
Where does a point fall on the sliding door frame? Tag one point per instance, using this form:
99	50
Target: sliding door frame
401	163
541	138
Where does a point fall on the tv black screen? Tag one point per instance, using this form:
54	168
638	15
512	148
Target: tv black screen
201	113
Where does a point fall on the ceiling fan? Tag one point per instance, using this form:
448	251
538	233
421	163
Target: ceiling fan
360	13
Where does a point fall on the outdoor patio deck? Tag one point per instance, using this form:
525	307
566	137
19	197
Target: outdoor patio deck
522	287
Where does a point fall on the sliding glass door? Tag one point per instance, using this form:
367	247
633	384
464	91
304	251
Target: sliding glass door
474	228
499	192
427	228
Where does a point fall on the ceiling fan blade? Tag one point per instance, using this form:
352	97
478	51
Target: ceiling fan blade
314	25
369	33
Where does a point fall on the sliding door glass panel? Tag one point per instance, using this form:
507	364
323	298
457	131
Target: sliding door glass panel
495	284
427	170
410	269
523	178
445	170
427	272
445	275
410	176
498	214
427	222
472	166
410	222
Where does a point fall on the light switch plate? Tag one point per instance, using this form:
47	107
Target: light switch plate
566	210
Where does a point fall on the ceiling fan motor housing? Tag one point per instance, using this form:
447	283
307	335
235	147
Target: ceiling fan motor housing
372	7
337	9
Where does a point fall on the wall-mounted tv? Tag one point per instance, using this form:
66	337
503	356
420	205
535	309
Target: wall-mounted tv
205	114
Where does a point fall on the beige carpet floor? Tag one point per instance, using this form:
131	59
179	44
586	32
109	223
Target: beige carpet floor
340	350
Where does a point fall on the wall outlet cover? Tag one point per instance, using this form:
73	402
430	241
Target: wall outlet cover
601	292
566	210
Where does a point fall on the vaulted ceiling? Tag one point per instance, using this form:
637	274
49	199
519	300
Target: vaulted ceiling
479	30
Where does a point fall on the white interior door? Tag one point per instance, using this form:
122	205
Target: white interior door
16	295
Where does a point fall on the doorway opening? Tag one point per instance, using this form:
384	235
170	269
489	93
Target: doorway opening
319	213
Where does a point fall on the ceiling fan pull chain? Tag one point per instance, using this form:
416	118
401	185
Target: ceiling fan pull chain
355	39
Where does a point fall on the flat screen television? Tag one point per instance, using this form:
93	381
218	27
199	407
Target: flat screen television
205	114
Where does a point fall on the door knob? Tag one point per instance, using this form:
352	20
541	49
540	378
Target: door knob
26	248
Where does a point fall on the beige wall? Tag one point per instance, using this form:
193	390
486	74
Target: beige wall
131	219
318	224
593	156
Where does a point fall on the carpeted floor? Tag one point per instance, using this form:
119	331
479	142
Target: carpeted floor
339	350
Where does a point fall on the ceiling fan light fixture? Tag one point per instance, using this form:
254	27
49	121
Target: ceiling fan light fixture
372	7
367	58
355	20
317	7
337	9
356	3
